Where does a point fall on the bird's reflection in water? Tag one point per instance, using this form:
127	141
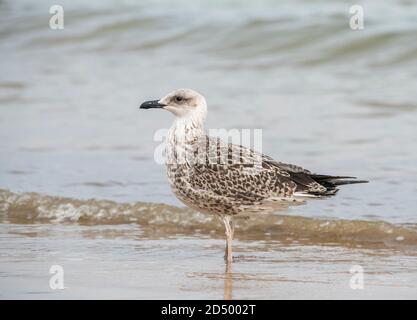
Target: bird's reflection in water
228	282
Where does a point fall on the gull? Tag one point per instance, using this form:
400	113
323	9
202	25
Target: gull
225	179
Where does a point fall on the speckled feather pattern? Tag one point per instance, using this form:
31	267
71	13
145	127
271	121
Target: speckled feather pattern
222	178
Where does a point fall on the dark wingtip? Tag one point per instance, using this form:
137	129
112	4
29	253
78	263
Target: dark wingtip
343	182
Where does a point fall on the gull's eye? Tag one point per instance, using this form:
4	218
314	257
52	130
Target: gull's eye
178	99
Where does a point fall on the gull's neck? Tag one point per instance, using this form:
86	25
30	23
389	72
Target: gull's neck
186	130
182	138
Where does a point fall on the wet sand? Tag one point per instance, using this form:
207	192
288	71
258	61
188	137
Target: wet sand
105	262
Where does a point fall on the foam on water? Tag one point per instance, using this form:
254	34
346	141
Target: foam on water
164	220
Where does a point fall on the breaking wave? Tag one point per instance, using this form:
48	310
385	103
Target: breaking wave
164	220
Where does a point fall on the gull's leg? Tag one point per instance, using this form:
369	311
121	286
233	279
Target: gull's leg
229	237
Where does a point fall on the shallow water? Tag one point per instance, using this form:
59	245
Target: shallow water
328	98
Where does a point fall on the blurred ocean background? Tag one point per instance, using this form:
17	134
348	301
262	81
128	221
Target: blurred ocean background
334	100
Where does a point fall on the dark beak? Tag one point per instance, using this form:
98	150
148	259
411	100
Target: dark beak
151	104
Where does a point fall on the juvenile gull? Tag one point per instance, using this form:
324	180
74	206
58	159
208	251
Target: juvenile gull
221	178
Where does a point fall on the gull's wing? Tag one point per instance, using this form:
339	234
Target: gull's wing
284	166
312	184
239	173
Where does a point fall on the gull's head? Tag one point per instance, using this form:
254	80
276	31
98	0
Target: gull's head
183	103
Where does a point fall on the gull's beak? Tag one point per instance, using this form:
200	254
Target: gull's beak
151	104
